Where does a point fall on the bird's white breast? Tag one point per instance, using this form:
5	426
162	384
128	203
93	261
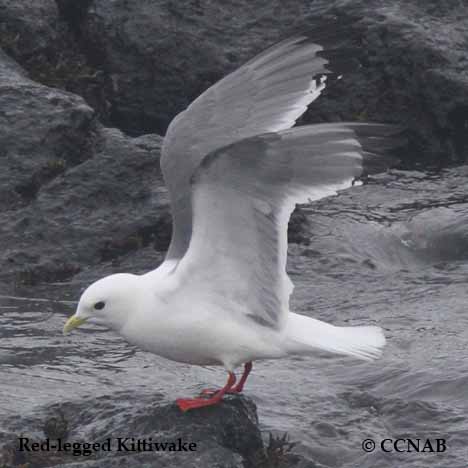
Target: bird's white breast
196	331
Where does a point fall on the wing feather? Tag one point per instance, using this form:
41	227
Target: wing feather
267	94
242	197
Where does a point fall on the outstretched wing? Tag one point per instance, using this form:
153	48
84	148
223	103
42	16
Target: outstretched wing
267	94
242	197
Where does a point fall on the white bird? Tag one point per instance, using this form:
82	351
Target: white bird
235	169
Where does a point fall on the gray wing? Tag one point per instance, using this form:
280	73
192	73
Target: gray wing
243	195
267	94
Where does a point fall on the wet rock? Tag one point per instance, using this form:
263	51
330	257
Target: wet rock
225	435
413	72
299	227
160	56
65	179
78	199
29	29
72	193
56	426
44	37
42	132
138	64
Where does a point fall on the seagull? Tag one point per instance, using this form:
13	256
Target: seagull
235	168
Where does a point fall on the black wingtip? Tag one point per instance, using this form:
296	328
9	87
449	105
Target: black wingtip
339	39
376	163
381	144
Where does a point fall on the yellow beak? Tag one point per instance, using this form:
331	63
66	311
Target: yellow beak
73	322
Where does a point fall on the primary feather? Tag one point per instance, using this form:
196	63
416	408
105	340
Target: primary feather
267	94
243	196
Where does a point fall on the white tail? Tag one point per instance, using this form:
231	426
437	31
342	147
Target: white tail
305	334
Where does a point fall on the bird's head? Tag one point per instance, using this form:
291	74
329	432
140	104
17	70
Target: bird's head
109	300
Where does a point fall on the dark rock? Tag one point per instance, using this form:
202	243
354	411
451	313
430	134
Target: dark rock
298	227
139	64
42	131
44	37
56	426
29	29
413	73
226	435
81	200
74	13
72	192
413	60
161	55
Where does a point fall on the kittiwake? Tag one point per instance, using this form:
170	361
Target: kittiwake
235	168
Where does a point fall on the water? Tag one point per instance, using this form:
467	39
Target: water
392	253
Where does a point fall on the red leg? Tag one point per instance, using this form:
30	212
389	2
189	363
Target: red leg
240	385
238	388
186	404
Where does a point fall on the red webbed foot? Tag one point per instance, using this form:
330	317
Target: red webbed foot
236	389
186	404
209	396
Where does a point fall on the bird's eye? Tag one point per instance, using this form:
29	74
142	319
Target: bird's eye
99	305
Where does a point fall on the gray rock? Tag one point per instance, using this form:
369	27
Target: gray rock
43	37
159	56
226	435
29	28
147	62
138	64
72	193
414	72
42	131
81	200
